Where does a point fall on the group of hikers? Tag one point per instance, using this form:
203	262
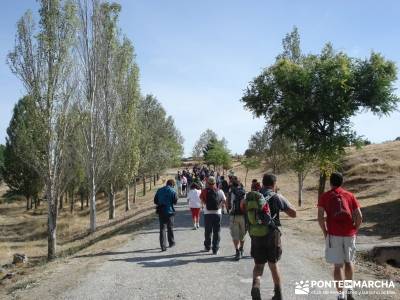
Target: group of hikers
257	212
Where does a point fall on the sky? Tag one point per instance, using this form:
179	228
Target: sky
197	57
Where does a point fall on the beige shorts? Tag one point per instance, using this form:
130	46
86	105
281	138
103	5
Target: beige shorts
340	249
237	225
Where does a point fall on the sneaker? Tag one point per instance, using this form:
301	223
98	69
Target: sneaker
198	225
350	295
215	252
194	227
206	249
255	293
237	255
241	252
163	249
171	245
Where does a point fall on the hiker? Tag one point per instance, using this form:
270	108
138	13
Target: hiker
194	201
184	185
237	220
179	184
213	199
343	219
266	240
165	199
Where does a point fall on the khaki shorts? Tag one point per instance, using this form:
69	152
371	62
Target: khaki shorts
237	225
340	249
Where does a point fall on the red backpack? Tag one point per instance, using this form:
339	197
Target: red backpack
338	210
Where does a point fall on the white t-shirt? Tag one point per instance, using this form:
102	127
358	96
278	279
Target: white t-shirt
194	198
222	200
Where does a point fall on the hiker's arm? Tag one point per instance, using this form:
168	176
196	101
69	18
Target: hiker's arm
357	217
156	199
243	205
321	220
286	207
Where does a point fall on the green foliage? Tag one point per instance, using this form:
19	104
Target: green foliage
204	140
18	171
2	148
310	99
216	153
271	147
160	142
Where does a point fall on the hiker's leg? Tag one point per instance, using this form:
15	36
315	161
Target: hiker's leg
163	243
338	275
276	277
236	244
170	226
348	270
207	231
216	231
257	273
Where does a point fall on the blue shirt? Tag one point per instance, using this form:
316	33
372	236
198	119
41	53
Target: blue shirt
166	198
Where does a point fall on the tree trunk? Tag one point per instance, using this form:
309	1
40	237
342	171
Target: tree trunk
51	222
87	200
158	176
92	202
35	199
66	197
31	203
134	190
245	178
300	177
150	183
144	185
28	198
38	200
61	201
111	202
72	202
322	182
81	196
155	180
127	203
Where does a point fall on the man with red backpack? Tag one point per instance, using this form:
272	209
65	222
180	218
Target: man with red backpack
343	218
213	199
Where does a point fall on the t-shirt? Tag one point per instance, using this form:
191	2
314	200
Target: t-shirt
221	200
276	204
335	228
194	198
184	180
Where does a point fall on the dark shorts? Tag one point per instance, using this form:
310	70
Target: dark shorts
266	249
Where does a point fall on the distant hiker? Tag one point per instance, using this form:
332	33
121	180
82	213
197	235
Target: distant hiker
179	184
255	185
195	204
213	199
165	199
237	220
343	219
266	240
184	185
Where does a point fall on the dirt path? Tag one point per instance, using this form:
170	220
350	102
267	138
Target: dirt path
138	270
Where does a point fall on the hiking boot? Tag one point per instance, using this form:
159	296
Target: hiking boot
215	252
206	249
277	294
255	293
237	255
171	245
163	249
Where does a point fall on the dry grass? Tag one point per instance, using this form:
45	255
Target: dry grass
24	231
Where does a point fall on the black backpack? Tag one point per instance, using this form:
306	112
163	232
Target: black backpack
239	195
225	186
212	202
